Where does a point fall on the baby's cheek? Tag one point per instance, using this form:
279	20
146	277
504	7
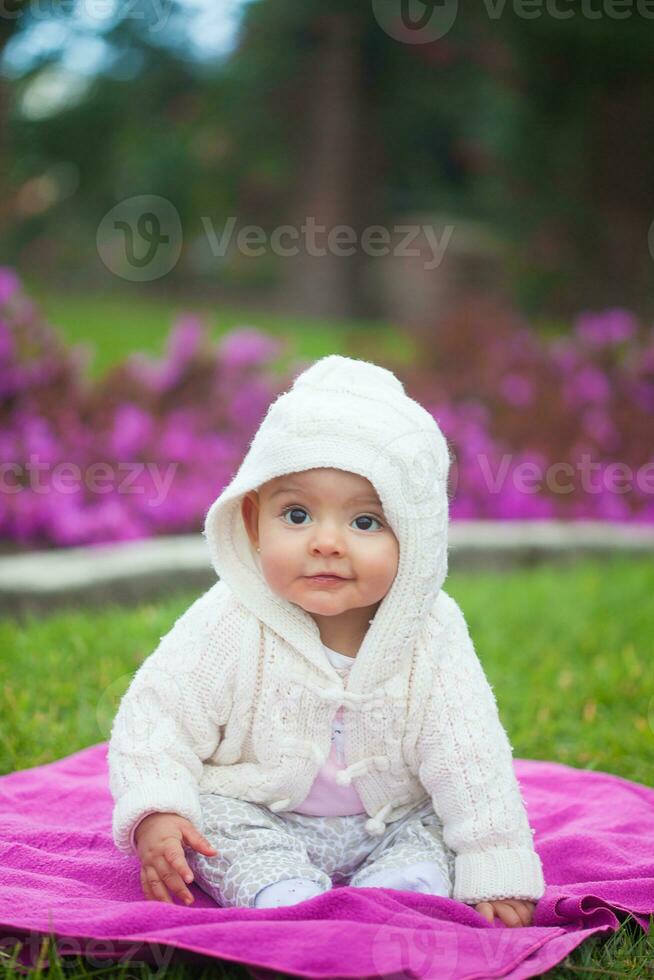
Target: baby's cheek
379	579
277	574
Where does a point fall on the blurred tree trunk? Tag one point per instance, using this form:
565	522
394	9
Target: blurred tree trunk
12	12
579	162
333	184
621	185
598	244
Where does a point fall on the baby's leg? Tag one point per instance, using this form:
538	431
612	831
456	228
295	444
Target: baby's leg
411	856
290	891
255	849
421	876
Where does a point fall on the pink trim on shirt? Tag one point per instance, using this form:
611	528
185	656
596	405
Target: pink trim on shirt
326	798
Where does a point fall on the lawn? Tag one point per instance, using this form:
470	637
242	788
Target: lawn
566	649
119	323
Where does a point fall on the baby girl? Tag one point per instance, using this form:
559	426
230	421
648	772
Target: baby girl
319	716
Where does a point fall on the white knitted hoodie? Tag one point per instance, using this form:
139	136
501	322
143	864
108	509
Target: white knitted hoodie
238	698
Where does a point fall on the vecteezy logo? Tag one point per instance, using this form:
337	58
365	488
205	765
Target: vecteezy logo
140	725
140	239
415	21
420	463
405	951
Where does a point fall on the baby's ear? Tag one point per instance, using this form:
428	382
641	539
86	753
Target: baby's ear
247	503
250	510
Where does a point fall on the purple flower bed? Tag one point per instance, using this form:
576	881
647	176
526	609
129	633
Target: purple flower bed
141	452
538	429
560	428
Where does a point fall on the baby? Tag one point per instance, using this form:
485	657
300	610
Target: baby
319	715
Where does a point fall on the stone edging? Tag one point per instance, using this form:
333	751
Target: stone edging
136	571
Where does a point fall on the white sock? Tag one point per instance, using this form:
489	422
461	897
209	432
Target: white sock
424	876
289	891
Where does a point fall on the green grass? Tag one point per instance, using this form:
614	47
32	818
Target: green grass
116	324
567	650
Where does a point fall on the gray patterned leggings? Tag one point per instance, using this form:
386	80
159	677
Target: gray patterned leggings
257	847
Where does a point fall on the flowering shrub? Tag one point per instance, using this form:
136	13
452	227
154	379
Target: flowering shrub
560	428
144	451
538	429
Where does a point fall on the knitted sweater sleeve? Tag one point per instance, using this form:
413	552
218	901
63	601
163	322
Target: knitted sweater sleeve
466	765
168	722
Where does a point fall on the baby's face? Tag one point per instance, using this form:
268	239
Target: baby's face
322	521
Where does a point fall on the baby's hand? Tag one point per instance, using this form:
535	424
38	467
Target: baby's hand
159	840
512	911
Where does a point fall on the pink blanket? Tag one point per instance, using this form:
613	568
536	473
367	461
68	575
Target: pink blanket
61	875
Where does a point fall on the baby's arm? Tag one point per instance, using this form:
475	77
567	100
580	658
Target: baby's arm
466	765
169	721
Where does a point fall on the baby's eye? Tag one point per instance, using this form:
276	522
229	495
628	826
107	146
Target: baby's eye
293	511
300	512
366	517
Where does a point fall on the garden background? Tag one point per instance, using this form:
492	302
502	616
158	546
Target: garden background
198	199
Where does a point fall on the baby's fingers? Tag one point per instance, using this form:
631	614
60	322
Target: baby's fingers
174	855
145	886
198	842
172	878
508	914
525	911
485	909
153	888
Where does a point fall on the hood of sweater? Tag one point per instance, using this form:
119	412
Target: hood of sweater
352	415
